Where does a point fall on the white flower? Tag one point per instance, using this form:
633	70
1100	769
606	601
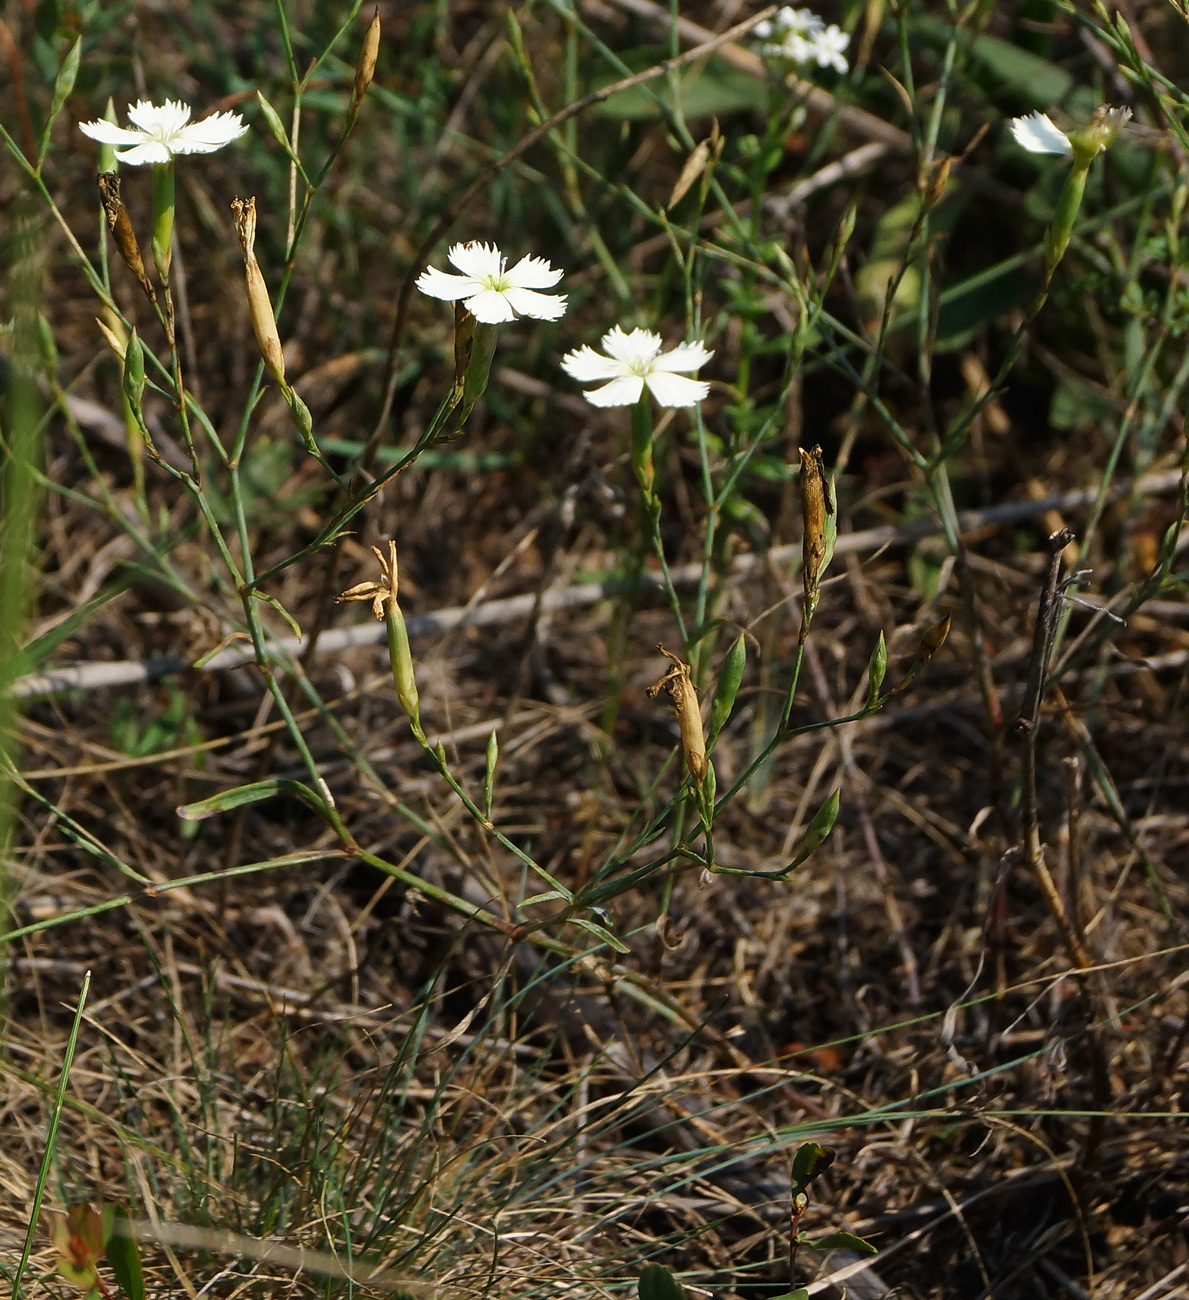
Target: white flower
800	37
491	293
634	360
800	21
165	131
828	47
792	47
1038	134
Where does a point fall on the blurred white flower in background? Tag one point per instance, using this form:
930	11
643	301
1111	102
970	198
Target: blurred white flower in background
828	47
800	37
160	133
490	292
633	360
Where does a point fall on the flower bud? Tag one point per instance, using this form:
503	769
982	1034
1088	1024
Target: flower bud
47	346
107	152
163	203
729	681
642	461
400	658
474	350
134	376
822	824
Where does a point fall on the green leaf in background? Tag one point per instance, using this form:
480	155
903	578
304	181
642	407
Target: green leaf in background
1035	79
971	305
122	1252
657	1283
713	90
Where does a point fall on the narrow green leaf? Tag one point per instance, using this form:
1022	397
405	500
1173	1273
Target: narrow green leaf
47	1153
275	604
600	933
549	896
245	794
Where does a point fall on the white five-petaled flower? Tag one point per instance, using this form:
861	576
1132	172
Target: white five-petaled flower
800	37
633	360
492	292
162	132
829	47
1039	134
802	22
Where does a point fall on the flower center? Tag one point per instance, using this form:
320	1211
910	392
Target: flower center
497	281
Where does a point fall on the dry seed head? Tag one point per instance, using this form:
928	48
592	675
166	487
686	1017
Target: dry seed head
817	501
367	60
264	323
679	684
120	225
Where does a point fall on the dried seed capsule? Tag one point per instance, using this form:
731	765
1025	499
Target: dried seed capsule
264	322
679	684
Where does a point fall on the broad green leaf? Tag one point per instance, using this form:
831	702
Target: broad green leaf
846	1240
713	90
122	1252
657	1283
810	1160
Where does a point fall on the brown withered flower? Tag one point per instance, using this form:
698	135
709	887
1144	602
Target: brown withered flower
379	593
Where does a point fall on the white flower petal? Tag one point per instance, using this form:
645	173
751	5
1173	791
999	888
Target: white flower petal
109	133
210	134
440	285
639	346
676	390
1038	134
159	121
492	307
534	273
152	151
687	356
619	392
538	306
479	261
586	365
